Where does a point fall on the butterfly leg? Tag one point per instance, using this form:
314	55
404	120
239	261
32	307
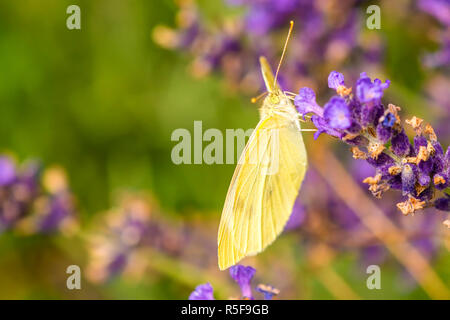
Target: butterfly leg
309	130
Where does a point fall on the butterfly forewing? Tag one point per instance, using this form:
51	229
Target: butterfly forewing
263	189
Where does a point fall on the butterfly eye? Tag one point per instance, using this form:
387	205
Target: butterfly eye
274	99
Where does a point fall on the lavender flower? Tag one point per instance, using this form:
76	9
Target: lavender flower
202	292
306	103
34	203
361	120
440	9
337	113
336	80
243	276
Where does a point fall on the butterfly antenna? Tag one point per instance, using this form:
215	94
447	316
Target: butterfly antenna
255	99
284	51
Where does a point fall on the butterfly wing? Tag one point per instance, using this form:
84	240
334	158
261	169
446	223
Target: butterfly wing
263	190
268	76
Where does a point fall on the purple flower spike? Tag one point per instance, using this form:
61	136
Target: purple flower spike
117	264
243	276
380	84
305	102
337	113
7	171
335	80
202	292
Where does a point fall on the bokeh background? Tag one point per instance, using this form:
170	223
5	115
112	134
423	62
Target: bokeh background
86	176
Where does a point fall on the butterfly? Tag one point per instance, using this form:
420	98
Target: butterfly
267	178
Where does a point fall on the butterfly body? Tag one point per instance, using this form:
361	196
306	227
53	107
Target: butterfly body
266	181
277	103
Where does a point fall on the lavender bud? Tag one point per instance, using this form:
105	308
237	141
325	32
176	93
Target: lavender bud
243	276
423	179
388	120
382	160
426	167
419	141
400	144
383	133
395	182
408	180
442	204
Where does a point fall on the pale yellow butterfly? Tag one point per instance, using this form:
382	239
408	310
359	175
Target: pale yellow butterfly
267	178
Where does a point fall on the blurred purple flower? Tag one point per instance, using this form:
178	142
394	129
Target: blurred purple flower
335	80
243	276
268	291
60	209
440	9
7	171
202	292
368	91
297	216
